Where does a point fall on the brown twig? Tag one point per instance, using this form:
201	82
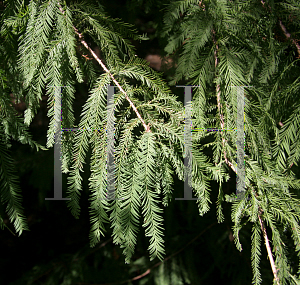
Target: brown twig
267	243
50	269
288	36
201	5
264	231
155	265
268	247
147	128
8	228
220	106
262	225
286	33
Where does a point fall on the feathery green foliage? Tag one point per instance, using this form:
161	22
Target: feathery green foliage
217	45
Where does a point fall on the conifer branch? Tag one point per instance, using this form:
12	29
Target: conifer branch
286	33
201	5
267	243
146	127
263	228
262	224
224	141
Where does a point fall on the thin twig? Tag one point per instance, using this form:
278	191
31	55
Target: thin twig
288	36
49	270
96	248
147	128
8	228
233	168
272	262
224	141
155	265
201	5
286	33
262	225
267	243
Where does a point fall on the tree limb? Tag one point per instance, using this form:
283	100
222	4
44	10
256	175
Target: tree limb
286	33
147	128
288	36
270	255
267	243
220	106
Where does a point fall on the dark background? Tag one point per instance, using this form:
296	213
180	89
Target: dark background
56	249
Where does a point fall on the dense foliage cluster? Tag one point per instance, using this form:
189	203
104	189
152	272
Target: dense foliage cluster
216	45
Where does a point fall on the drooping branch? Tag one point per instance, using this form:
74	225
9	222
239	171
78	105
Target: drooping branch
201	5
264	231
286	33
267	243
288	36
147	128
220	105
268	247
